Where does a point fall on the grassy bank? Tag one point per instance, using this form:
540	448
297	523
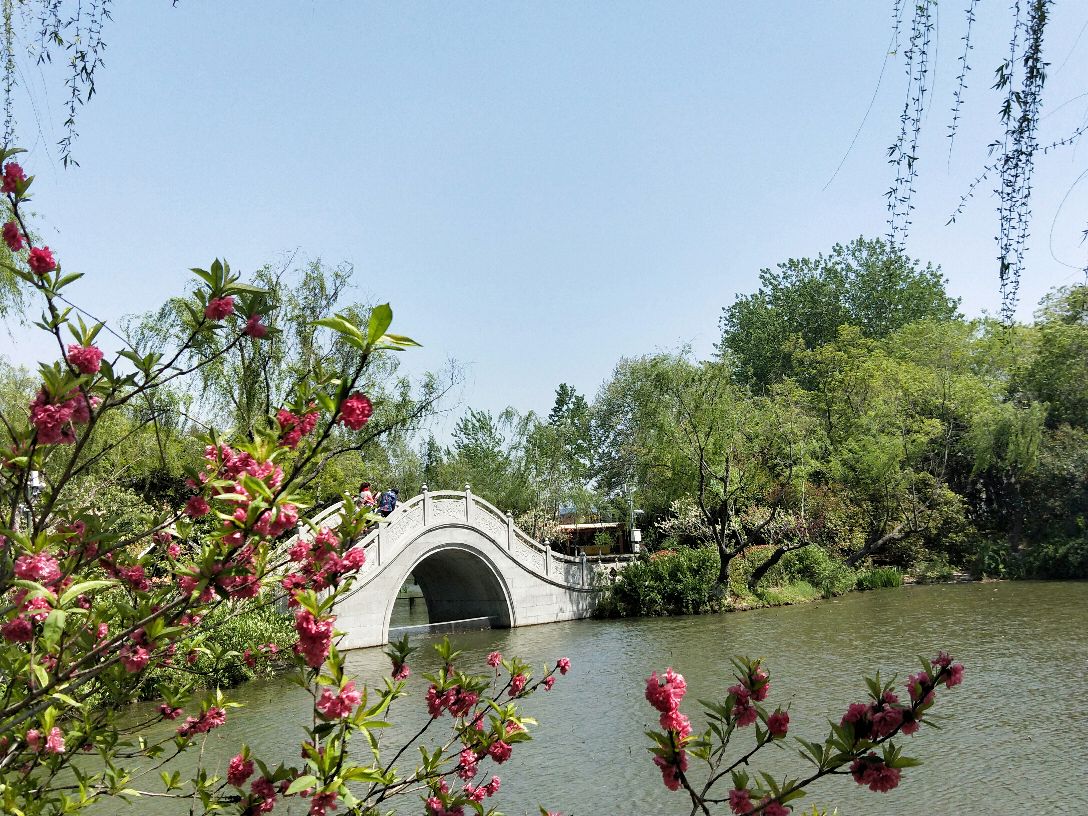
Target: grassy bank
683	582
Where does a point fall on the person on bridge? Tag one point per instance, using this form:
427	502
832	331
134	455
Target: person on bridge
388	502
366	495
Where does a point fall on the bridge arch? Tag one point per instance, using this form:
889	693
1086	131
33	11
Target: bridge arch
470	560
458	581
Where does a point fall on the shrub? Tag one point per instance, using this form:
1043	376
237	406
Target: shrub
933	570
679	582
1058	558
879	578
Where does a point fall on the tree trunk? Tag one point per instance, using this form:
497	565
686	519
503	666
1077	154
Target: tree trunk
896	533
767	566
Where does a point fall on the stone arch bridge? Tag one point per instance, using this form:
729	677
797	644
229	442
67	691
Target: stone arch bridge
470	561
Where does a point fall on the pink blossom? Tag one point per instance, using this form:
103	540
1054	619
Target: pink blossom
53	421
263	790
517	683
675	721
168	712
745	713
34	739
85	359
468	764
134	658
314	637
870	770
322	802
955	675
886	721
671	769
494	660
339	705
13	174
196	507
13	236
778	723
493	786
500	751
563	664
54	743
665	695
239	770
41	261
40	567
17	630
219	308
772	807
549	681
355	411
254	327
401	672
740	800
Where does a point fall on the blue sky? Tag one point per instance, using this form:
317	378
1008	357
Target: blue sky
539	189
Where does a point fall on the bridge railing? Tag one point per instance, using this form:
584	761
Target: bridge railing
434	507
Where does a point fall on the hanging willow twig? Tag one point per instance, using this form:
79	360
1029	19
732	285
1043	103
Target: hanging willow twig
961	79
904	153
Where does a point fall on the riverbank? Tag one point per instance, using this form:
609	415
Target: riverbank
684	582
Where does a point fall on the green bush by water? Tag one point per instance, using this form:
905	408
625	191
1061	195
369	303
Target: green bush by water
676	582
879	578
682	581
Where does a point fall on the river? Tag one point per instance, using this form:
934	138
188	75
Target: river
1013	738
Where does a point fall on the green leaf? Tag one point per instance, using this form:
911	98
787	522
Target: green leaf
300	784
82	588
54	626
380	319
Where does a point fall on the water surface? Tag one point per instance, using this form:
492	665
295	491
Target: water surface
1014	736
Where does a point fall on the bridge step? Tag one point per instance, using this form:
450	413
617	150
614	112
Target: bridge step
443	628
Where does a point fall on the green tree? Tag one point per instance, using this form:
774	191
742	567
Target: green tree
1058	374
803	302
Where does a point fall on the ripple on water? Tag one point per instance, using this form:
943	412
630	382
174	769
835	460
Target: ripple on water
1014	735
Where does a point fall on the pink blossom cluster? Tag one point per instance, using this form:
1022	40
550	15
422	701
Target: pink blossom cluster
400	671
212	718
356	410
870	770
13	175
517	684
54	742
322	802
740	801
41	568
13	236
440	802
751	688
254	327
455	699
219	308
85	359
295	426
337	705
665	695
239	769
41	261
481	792
55	420
262	798
314	637
320	563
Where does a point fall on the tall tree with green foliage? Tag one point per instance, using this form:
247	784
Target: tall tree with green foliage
803	302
